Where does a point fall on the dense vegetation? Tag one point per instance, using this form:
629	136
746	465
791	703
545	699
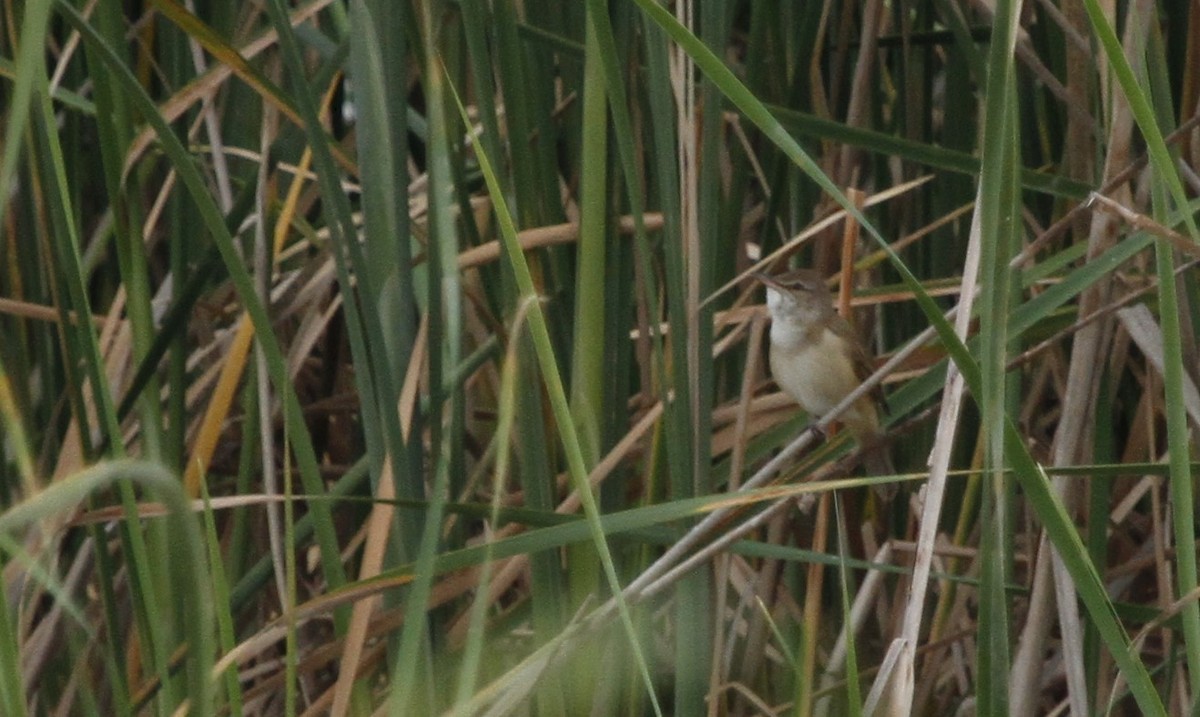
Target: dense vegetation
402	356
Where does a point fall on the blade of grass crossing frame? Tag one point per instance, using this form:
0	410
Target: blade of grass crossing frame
997	206
693	653
678	439
559	403
587	330
445	331
378	69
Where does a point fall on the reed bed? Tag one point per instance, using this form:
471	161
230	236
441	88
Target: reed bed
402	358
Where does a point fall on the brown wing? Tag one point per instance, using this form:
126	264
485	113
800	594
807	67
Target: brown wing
864	365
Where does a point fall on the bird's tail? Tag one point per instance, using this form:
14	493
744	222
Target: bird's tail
877	461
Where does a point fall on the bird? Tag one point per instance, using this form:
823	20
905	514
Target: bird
818	359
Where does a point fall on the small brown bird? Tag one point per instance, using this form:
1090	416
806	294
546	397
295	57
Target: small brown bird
817	359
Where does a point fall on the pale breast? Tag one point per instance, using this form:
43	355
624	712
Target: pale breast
817	374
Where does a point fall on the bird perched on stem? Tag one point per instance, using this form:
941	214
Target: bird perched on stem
817	359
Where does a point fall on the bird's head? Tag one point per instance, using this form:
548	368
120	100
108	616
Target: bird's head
801	296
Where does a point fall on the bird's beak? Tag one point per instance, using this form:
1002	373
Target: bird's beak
767	280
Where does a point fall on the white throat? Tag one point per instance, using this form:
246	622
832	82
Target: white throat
786	330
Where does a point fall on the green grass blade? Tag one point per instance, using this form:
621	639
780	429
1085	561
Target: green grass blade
996	211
